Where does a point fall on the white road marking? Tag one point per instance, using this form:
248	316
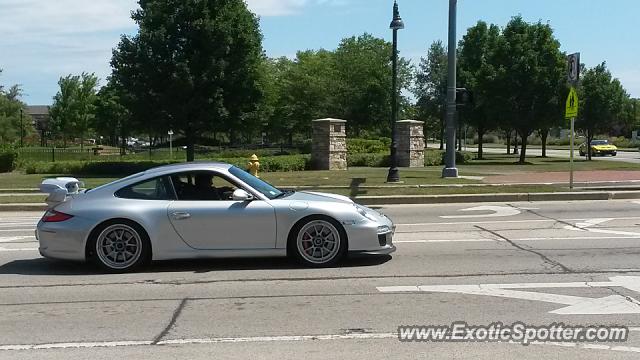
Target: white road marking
19	229
518	239
499	211
285	338
7	239
508	221
3	249
587	224
71	345
577	305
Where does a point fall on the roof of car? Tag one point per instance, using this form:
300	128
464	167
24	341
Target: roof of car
189	166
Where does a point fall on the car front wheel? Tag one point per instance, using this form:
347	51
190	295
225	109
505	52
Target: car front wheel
319	242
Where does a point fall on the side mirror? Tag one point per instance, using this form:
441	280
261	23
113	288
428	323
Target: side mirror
241	195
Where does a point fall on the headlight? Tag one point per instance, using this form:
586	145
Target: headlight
383	229
362	211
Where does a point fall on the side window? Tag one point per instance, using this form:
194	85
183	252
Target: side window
154	189
202	186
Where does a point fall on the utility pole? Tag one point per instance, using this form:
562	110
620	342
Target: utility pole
450	170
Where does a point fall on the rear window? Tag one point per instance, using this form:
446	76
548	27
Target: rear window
154	189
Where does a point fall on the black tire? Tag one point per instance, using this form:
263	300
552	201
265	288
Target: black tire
614	154
142	256
294	251
581	153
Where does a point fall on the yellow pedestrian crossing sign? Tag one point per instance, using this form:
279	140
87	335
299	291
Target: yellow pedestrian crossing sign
572	104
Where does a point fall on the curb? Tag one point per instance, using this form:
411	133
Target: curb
499	197
439	199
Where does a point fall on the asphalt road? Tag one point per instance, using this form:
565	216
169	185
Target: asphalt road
623	156
537	263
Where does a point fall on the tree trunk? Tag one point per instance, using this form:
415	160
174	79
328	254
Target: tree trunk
515	143
480	141
589	138
508	137
459	137
544	134
190	145
523	148
442	133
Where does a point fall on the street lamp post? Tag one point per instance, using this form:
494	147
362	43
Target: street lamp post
170	133
450	170
21	129
396	24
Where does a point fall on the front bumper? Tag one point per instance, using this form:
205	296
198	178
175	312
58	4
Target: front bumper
372	236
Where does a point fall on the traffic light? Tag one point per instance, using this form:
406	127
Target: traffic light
464	97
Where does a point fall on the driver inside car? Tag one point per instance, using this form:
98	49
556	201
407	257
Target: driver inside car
204	187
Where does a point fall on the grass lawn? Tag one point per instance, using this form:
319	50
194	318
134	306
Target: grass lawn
22	199
505	164
356	178
18	180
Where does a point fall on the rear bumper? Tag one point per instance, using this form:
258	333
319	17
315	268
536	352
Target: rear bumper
64	241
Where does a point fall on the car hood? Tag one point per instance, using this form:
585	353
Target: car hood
318	196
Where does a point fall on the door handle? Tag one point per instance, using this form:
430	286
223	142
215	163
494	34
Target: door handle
181	215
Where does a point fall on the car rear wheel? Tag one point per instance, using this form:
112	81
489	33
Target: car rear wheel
120	246
319	242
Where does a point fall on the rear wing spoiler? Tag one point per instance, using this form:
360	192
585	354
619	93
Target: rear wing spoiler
59	188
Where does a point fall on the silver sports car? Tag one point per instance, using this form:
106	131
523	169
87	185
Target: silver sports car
203	210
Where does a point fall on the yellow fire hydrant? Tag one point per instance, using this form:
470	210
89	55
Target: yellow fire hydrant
254	165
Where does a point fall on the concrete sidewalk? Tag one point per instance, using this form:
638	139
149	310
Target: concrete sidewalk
439	199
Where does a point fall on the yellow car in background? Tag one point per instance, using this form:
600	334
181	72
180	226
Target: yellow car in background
599	147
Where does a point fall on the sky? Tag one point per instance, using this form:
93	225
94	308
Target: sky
42	40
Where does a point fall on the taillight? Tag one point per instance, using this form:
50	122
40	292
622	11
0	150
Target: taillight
55	216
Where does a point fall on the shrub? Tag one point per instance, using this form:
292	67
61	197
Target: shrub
366	146
8	158
270	163
368	160
433	157
623	142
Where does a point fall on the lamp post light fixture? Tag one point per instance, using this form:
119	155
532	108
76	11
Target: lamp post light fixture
450	170
170	133
396	24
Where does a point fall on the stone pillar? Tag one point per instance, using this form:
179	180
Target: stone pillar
329	146
410	143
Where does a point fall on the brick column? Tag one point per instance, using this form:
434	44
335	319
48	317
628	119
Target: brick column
410	143
329	146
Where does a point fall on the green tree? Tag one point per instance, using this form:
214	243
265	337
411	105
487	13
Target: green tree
478	73
431	89
602	100
73	106
195	62
13	124
531	67
111	116
363	95
306	91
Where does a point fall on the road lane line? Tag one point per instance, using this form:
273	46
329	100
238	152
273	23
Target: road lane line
520	239
284	338
72	345
19	229
3	249
511	221
8	239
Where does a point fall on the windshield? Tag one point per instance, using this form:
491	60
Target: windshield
257	184
599	142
